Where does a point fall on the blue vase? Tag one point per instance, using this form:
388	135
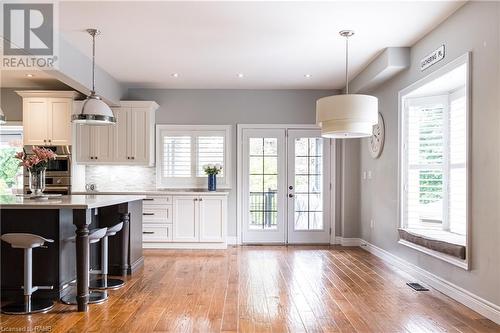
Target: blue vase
212	182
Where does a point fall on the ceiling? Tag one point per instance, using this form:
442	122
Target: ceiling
37	80
273	44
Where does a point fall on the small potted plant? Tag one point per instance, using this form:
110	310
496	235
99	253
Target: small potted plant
212	170
36	164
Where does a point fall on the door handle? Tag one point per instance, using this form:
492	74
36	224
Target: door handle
290	195
290	187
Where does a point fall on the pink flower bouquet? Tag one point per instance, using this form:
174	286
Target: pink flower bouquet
38	161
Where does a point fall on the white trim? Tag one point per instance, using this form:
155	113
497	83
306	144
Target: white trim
195	182
463	59
472	301
187	246
348	241
449	259
232	240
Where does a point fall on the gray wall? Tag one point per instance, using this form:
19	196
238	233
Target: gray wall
12	104
474	27
230	107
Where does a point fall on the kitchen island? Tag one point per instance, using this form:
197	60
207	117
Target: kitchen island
64	219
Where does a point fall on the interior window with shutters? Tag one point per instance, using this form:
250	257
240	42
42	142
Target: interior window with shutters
434	158
183	150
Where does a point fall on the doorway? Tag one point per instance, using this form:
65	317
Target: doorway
285	185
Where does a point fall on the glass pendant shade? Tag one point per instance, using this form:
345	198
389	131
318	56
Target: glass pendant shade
347	116
94	112
2	117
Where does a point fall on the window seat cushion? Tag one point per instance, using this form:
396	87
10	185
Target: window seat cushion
450	247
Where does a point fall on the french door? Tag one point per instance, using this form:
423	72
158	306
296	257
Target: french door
285	186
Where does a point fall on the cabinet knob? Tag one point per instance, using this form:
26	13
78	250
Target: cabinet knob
95	157
195	199
200	199
133	157
91	157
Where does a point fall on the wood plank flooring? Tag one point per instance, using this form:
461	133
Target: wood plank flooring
263	289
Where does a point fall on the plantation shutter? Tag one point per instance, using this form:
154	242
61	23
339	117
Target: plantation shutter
210	150
176	156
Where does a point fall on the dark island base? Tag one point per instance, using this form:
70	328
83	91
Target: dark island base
56	265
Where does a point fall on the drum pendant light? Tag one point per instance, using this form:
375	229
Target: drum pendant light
94	110
349	115
2	117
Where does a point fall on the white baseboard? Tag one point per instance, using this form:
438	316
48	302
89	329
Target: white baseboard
472	301
186	246
232	240
348	241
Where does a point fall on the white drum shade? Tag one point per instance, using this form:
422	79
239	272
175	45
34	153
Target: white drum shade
347	116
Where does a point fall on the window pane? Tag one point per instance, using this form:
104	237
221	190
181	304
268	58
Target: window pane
316	221
11	175
301	184
210	150
301	221
301	146
263	167
176	156
301	165
426	141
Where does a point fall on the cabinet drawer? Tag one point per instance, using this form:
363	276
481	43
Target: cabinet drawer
156	233
157	200
157	214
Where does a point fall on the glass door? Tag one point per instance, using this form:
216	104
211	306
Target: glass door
308	187
264	186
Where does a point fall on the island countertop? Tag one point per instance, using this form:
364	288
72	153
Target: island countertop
66	201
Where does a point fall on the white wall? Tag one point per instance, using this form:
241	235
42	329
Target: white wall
474	27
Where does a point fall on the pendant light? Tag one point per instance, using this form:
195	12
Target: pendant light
349	115
2	117
94	110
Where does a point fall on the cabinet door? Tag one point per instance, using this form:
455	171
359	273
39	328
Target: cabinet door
59	121
121	135
212	219
84	144
35	118
138	148
102	137
185	219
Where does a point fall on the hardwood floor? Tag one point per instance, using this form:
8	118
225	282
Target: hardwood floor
263	289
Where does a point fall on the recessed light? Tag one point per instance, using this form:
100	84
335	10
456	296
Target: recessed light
307	76
240	75
30	75
175	74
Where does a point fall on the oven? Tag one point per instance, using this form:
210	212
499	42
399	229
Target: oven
58	173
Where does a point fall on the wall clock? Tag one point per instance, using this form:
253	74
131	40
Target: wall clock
376	141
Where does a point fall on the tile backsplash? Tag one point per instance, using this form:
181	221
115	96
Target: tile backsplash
121	177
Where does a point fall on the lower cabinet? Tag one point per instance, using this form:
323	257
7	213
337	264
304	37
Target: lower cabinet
185	220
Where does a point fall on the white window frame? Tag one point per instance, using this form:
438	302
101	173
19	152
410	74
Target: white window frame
464	59
193	131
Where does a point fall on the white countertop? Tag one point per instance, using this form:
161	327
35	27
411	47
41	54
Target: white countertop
66	201
160	192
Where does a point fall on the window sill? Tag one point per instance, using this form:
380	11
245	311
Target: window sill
436	243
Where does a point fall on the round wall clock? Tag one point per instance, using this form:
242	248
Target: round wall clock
376	141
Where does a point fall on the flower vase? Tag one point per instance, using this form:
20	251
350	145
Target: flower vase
212	182
37	182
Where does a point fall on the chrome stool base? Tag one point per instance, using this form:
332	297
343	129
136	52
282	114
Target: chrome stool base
33	306
95	297
106	284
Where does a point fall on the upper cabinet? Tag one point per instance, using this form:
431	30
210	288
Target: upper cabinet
130	141
47	117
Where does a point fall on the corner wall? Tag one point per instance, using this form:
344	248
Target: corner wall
474	27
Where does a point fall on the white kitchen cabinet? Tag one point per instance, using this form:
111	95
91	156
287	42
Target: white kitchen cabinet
129	142
186	221
47	117
211	216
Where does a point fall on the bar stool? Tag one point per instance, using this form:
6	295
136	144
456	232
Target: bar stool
27	242
104	282
94	296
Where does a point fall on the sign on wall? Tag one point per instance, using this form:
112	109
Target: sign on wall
433	58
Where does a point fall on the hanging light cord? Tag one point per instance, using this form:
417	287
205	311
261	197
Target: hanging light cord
93	63
347	64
